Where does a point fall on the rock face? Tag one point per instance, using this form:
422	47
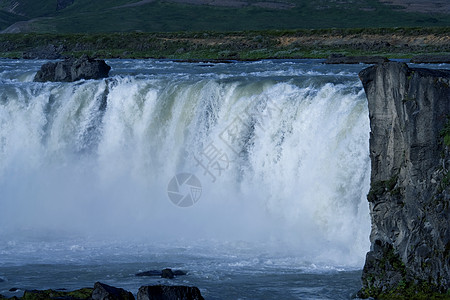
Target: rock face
163	292
106	292
72	69
409	199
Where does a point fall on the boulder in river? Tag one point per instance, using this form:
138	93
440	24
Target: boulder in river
73	69
166	273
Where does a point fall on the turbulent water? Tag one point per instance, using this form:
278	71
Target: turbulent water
251	176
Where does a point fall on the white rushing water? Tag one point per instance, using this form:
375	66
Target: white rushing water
280	151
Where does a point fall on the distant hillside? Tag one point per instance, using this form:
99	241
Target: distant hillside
70	16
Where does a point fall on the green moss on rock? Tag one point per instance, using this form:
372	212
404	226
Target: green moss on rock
419	291
80	294
380	187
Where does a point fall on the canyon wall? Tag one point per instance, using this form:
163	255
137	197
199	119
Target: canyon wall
409	110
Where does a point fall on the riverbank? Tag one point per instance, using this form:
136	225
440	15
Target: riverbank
242	45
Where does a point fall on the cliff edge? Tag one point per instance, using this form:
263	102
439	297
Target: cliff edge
409	198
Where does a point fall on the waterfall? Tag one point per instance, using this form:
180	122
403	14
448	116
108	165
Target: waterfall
276	161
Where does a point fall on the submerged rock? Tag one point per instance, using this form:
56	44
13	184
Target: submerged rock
409	198
72	69
167	273
149	273
342	59
106	292
163	292
179	272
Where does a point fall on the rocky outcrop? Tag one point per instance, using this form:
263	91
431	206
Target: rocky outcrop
409	199
103	291
342	59
164	292
73	69
106	292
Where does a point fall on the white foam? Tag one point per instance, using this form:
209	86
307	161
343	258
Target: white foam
295	180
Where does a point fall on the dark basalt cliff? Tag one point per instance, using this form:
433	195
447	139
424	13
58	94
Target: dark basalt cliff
409	199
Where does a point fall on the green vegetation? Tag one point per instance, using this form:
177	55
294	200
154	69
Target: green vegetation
245	29
421	291
404	289
165	16
243	45
380	187
85	293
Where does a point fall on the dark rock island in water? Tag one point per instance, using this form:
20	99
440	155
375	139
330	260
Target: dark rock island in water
166	273
73	69
103	291
409	198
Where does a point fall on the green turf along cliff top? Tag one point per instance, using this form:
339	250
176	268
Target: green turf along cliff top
71	16
239	45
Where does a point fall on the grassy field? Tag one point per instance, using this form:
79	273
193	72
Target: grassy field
238	29
86	16
243	45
